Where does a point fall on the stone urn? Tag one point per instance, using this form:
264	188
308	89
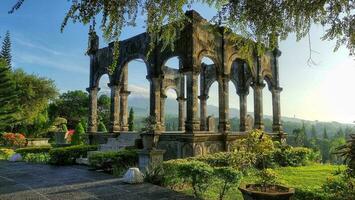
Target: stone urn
274	192
35	142
150	140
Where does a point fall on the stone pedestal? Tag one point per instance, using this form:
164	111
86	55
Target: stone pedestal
149	158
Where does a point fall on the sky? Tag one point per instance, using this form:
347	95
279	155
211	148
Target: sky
324	91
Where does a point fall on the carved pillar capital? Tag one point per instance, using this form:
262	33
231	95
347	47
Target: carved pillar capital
93	89
203	97
257	85
125	93
181	99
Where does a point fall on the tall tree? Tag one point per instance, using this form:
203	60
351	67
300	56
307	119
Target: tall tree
34	93
131	120
325	134
71	105
6	49
313	132
8	97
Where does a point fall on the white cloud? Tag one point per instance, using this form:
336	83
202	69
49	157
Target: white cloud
57	63
26	43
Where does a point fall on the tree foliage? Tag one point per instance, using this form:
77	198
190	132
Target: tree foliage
103	108
262	21
6	49
131	120
71	105
34	93
8	97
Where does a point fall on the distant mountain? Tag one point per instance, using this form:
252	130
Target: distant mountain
140	106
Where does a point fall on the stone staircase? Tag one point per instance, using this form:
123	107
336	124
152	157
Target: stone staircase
113	144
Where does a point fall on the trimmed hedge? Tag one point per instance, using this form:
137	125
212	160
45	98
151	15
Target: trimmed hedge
27	150
67	155
293	156
114	160
41	158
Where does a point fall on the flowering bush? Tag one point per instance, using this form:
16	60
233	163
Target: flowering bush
69	134
14	139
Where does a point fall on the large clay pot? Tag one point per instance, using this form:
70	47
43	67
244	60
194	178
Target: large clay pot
150	140
280	193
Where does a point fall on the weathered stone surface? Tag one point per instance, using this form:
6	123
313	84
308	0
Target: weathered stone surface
211	123
133	176
21	180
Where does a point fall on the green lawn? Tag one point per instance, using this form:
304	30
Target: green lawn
297	177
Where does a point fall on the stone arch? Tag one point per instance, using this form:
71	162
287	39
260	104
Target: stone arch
97	77
269	81
124	63
211	55
236	56
178	57
172	87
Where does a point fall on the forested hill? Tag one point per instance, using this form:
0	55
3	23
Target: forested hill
141	108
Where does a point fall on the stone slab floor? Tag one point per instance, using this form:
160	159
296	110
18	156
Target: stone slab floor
23	181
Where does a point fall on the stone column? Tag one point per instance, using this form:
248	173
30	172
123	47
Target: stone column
276	110
181	101
203	112
243	112
115	109
155	91
124	109
92	109
192	122
258	105
223	91
162	111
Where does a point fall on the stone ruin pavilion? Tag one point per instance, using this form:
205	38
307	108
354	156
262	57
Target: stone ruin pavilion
195	41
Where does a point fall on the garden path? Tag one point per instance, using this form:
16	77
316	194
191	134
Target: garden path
19	180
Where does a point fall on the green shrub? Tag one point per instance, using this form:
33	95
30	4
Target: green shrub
6	153
79	135
171	177
227	177
266	177
340	187
293	156
198	174
102	127
67	155
42	158
114	161
259	143
154	175
239	160
33	150
310	194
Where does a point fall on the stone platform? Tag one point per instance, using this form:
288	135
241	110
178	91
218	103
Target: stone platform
22	181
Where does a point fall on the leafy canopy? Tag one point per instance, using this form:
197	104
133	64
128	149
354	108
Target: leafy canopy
263	21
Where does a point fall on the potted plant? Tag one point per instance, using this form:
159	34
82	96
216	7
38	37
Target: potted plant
261	144
266	188
149	135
